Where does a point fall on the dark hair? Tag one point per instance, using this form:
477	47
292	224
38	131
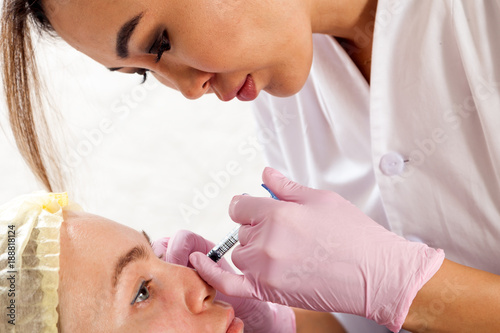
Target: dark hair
22	86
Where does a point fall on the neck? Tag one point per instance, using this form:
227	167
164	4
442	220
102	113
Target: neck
342	18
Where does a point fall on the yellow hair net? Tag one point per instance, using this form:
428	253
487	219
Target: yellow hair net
29	262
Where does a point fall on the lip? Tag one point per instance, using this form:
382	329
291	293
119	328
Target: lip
236	326
246	91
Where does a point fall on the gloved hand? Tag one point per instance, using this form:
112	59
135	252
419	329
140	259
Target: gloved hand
315	250
258	316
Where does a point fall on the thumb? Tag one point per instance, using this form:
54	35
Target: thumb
226	282
284	188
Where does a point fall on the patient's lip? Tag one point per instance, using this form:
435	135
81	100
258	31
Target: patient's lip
234	324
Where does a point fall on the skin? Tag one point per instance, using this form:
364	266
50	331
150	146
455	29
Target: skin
214	44
217	44
178	299
317	322
456	299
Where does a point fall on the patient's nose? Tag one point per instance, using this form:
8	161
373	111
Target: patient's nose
198	294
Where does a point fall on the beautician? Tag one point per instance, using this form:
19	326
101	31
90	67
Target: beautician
397	113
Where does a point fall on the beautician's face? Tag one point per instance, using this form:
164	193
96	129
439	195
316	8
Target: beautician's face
215	45
111	281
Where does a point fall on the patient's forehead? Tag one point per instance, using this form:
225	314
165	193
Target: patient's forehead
90	243
84	227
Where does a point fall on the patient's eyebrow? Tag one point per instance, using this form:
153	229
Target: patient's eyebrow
147	238
124	35
136	253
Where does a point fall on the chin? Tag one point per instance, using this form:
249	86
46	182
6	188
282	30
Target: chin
286	88
289	82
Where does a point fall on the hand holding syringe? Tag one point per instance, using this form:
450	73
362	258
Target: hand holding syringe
231	239
270	317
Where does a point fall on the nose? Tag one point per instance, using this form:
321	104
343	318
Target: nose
191	82
198	294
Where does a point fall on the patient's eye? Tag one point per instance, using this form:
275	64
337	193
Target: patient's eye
142	294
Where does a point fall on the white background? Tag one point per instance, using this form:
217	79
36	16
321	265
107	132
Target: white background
141	155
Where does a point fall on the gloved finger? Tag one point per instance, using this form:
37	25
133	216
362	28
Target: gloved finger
182	244
248	234
227	283
245	234
285	189
248	210
160	247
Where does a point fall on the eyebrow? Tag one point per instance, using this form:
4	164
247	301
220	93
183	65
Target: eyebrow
136	253
147	238
124	35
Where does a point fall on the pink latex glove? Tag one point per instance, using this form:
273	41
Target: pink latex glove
315	250
258	316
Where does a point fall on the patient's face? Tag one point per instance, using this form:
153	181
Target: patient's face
111	281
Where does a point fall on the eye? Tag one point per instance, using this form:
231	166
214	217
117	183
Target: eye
161	45
142	294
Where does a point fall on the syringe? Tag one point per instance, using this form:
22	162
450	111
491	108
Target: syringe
227	243
231	239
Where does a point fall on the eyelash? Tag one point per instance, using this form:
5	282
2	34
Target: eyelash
144	284
162	44
144	73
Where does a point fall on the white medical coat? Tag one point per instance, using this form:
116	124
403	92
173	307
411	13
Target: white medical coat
418	149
